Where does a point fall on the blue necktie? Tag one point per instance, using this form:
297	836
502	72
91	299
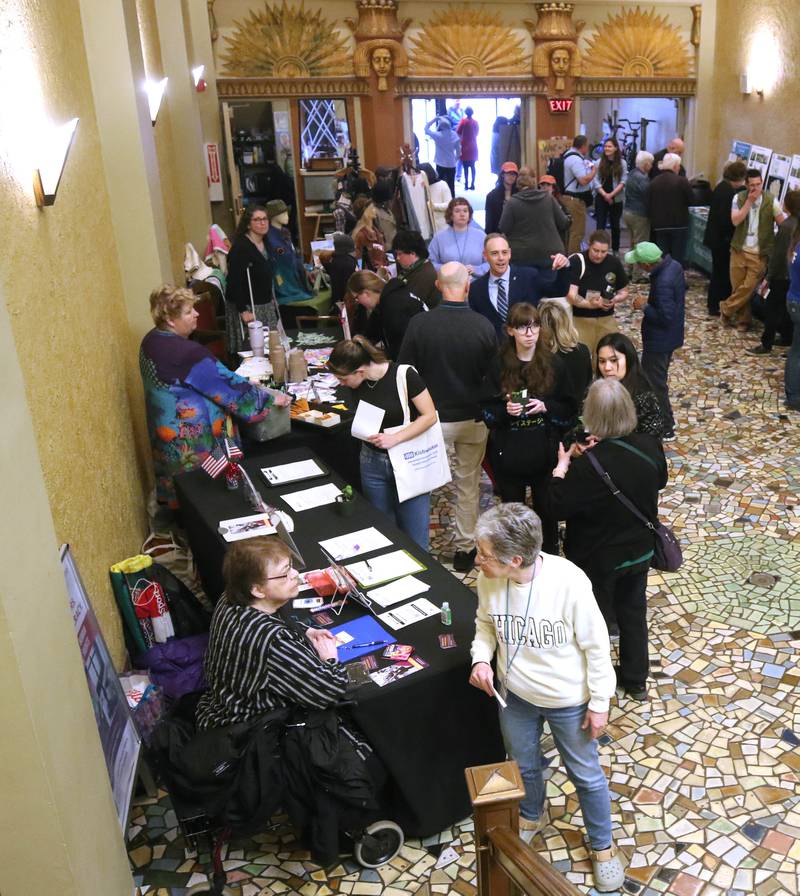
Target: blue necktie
502	299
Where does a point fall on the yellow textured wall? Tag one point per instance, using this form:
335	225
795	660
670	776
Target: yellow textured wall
63	290
162	131
764	37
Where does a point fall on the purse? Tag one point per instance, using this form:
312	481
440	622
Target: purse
667	554
420	464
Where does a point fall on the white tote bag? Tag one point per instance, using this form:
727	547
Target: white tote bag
420	465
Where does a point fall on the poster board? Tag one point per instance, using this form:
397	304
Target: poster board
550	149
759	158
793	178
118	736
740	150
777	175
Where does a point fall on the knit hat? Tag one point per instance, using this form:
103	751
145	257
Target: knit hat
509	167
343	244
276	207
644	253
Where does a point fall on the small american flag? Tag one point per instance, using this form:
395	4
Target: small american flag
216	462
233	451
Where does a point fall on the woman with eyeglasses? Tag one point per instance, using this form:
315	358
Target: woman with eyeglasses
535	401
249	269
256	662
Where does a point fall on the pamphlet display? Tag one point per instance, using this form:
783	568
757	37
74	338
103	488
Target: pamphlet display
777	175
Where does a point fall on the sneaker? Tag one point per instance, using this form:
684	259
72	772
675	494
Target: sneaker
639	694
609	874
758	350
463	561
669	436
529	828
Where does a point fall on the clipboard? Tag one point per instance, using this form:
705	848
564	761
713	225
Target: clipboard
363	629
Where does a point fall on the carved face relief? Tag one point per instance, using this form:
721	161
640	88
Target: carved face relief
559	62
382	65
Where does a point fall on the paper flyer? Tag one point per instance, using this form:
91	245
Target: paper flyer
777	175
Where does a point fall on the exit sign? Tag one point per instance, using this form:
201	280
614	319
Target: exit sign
560	106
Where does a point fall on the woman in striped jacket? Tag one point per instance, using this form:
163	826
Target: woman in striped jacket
255	661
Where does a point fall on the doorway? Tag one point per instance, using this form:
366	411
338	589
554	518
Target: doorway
643	122
495	116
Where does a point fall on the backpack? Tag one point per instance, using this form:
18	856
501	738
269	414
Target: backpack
555	167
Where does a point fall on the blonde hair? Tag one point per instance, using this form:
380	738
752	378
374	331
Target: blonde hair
608	410
361	280
168	302
525	180
558	331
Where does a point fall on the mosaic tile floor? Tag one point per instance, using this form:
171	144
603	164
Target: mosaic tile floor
704	777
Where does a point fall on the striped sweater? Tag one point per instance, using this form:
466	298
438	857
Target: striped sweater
256	663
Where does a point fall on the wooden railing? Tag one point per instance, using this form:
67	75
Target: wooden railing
506	864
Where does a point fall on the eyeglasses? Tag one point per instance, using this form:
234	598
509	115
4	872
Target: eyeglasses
284	575
479	555
522	329
259	220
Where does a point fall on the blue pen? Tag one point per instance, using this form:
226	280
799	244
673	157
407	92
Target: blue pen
365	644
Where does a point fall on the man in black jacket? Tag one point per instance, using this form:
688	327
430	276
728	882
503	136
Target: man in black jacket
452	347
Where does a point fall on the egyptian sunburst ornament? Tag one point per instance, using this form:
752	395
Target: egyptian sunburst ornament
285	41
636	44
461	42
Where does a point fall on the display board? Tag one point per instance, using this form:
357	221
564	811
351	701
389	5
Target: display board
118	736
778	175
793	179
759	159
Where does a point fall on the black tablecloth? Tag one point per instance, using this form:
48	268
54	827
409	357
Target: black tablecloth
426	728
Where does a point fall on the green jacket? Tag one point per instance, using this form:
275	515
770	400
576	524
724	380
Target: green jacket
766	225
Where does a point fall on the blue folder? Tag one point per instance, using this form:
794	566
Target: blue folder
362	630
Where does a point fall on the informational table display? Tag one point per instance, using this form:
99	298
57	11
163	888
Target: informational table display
118	736
781	172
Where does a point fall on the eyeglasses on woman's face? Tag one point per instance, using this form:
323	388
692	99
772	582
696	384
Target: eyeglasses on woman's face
285	574
259	219
524	329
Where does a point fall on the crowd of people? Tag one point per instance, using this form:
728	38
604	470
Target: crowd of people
508	338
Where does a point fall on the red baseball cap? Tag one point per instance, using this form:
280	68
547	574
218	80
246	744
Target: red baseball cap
509	166
548	179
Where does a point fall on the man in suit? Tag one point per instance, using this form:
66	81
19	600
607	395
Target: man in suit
505	284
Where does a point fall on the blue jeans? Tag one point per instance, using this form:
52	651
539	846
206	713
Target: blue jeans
792	374
522	725
379	488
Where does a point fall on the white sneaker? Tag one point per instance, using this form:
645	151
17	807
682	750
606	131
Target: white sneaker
528	828
609	875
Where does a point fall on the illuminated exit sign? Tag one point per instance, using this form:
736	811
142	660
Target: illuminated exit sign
560	106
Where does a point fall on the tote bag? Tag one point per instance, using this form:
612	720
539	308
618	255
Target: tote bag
420	465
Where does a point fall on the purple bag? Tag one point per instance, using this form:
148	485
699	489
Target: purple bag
177	665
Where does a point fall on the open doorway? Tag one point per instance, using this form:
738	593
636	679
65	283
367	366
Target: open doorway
637	122
499	131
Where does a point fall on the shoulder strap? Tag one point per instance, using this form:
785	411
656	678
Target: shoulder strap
641	454
616	492
402	391
579	255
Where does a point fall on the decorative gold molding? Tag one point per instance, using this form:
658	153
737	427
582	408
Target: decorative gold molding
285	41
377	18
636	87
283	87
636	44
467	43
212	20
471	87
697	18
363	54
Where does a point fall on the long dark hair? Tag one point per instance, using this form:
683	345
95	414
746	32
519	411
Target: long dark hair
611	168
537	374
635	379
247	213
791	203
350	354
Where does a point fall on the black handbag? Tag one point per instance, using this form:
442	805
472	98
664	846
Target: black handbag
667	554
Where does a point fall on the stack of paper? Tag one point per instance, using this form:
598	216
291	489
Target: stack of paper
401	589
312	497
384	568
354	543
408	614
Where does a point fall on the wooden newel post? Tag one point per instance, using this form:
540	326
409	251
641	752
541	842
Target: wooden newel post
495	792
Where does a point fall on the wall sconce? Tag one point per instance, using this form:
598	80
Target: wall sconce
155	93
745	84
197	77
47	176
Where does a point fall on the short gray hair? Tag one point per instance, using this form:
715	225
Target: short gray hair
670	162
608	410
513	530
644	156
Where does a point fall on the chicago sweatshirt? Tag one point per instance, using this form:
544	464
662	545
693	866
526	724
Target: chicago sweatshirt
559	652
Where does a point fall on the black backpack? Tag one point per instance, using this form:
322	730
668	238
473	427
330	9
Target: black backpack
555	167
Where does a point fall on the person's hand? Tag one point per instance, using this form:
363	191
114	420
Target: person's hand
620	297
608	304
513	408
535	406
564	460
639	302
559	261
595	722
247	316
383	440
282	399
482	678
583	447
470	269
323	642
594	301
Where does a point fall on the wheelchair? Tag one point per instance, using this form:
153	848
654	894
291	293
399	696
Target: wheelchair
210	812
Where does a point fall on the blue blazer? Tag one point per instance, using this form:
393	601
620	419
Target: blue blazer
524	285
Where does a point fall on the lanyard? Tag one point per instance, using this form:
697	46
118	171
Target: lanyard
510	662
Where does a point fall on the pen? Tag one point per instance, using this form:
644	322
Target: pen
396	619
365	644
369	565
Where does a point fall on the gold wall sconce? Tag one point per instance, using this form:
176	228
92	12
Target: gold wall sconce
155	93
47	176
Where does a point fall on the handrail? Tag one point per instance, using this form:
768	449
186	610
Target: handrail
525	868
